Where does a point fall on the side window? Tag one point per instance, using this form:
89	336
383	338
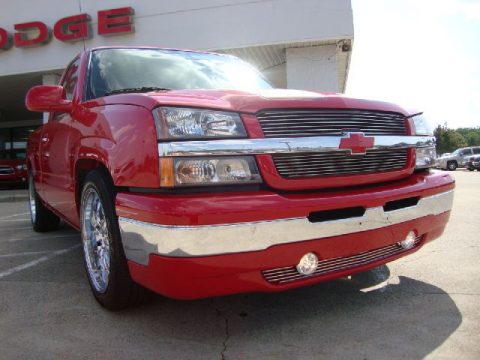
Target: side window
70	80
476	150
69	83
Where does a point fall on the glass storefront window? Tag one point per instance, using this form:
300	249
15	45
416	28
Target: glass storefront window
13	142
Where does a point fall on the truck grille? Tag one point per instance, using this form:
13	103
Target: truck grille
288	274
6	170
339	163
329	122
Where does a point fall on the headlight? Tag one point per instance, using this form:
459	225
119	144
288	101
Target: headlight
208	171
183	123
21	167
421	126
425	157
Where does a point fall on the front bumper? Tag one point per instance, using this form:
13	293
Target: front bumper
142	239
180	235
13	179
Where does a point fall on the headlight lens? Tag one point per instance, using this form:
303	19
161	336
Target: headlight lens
425	157
183	123
209	171
421	126
21	167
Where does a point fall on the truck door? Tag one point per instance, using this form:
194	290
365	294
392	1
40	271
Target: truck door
57	139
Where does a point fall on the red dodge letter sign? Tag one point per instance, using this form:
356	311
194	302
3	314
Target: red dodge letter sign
115	21
69	29
22	39
72	28
5	40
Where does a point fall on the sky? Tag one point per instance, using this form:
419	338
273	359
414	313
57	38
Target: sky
420	54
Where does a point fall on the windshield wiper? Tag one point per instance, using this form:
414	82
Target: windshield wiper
136	90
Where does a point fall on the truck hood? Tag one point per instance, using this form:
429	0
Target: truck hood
247	102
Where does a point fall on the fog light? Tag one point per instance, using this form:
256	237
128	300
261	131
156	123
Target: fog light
308	264
409	241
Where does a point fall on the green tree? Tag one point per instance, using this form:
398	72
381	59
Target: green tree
449	140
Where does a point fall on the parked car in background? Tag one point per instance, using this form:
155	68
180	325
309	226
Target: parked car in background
13	173
456	159
473	163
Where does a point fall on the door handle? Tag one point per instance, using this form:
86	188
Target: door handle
44	140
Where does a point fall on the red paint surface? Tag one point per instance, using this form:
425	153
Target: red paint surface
198	277
47	98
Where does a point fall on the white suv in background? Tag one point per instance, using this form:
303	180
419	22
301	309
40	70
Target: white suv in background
457	159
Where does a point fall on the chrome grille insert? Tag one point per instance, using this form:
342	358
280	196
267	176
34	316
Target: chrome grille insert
340	163
6	170
331	122
288	274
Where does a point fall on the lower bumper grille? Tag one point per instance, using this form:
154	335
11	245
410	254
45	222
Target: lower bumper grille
288	274
339	163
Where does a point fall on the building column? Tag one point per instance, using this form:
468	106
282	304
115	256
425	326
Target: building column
49	79
313	68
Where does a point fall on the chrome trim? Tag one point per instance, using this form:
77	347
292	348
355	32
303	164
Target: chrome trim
311	144
140	239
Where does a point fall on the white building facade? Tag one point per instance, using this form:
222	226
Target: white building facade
301	44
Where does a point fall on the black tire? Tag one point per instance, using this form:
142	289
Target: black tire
452	165
43	219
470	169
120	290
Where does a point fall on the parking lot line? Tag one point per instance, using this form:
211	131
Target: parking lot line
14	215
36	262
37	237
26	253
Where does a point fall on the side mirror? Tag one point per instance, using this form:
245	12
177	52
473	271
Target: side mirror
47	98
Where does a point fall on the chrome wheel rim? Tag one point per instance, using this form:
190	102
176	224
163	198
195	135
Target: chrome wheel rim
31	199
96	240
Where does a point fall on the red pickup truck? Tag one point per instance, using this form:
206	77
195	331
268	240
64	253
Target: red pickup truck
189	175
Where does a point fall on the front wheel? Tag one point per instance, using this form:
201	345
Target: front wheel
42	219
452	165
105	261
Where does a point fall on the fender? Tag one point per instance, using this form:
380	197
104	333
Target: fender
134	163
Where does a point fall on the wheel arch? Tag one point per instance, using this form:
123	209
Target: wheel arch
82	167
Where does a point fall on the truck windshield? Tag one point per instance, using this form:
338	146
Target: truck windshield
112	70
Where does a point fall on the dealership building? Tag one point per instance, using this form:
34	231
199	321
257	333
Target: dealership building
301	44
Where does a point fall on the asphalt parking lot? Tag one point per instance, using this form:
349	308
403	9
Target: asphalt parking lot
428	308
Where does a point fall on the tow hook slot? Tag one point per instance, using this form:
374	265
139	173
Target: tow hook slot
336	214
400	204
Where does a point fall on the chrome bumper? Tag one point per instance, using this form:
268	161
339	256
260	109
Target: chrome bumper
311	144
140	239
